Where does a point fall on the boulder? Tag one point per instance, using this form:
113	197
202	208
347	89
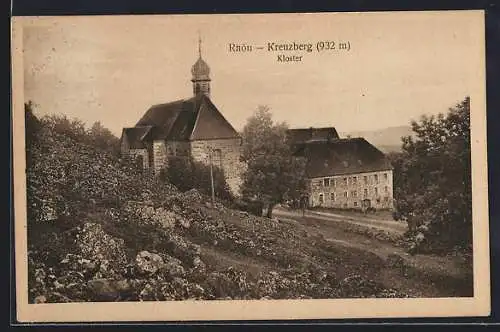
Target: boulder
40	299
148	262
108	289
172	266
198	264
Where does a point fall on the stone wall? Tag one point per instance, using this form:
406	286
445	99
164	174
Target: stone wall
178	148
226	154
140	152
159	156
349	191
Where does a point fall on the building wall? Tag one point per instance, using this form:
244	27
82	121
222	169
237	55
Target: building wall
140	152
178	148
349	191
124	146
159	155
226	154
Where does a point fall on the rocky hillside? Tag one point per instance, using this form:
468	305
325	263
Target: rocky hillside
99	230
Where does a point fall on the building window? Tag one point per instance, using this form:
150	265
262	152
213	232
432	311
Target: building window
365	193
332	197
386	189
385	177
354	193
354	180
346	194
365	179
378	200
375	191
321	198
376	178
355	203
345	182
326	182
386	199
333	182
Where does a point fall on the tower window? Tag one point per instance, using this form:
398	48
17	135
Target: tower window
326	182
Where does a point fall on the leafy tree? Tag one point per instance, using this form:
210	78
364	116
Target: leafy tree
61	124
432	177
273	175
103	138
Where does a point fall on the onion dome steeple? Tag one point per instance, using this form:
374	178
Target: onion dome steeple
200	75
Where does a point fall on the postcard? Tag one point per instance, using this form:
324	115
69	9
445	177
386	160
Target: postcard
250	166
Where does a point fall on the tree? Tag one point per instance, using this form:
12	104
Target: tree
273	174
103	138
433	177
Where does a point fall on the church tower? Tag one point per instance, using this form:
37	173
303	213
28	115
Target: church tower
200	72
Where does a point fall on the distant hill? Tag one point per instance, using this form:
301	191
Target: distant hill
387	139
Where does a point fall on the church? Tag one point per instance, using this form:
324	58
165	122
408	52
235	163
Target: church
187	128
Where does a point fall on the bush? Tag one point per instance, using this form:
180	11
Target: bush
186	174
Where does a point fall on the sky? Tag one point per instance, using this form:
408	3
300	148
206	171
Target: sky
113	68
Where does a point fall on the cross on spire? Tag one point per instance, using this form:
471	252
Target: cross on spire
199	44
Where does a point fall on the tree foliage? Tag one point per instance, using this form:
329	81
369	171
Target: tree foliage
186	174
273	174
432	177
66	172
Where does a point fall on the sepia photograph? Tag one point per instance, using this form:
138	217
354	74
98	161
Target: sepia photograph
259	166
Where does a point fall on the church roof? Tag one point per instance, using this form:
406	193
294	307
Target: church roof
196	118
342	156
136	136
303	135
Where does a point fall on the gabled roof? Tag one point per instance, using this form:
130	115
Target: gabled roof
342	156
196	118
211	124
136	135
303	135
